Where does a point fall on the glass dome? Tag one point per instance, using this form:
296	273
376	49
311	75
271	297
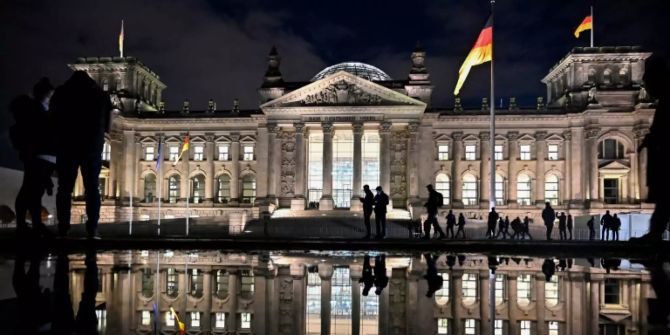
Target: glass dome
365	71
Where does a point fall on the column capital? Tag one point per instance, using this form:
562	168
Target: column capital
457	135
567	135
235	137
209	137
299	128
540	135
327	127
641	131
385	127
138	137
592	132
484	136
413	127
357	128
512	135
273	128
325	271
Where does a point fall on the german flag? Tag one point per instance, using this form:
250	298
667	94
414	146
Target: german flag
586	24
481	52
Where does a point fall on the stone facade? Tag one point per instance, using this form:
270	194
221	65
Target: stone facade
577	149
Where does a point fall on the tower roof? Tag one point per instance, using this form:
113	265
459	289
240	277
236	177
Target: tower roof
365	71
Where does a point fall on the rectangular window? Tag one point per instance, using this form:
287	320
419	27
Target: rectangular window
220	320
173	153
340	303
500	289
498	152
611	329
101	315
612	292
315	169
198	153
370	159
146	318
500	191
525	327
247	280
169	319
195	319
611	190
248	153
223	153
523	290
552	152
442	295
553	328
172	289
442	326
524	152
106	151
551	292
498	328
469	283
313	302
470	327
149	153
470	152
443	152
245	321
197	283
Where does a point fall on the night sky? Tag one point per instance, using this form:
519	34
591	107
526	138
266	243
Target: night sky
217	49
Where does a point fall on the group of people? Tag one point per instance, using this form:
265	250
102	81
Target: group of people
378	204
60	129
520	228
609	223
565	223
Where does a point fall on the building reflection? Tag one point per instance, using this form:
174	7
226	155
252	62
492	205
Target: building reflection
224	293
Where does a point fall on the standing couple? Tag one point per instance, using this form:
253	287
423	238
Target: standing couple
379	203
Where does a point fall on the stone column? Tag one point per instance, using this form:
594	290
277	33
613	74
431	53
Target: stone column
632	194
235	169
326	202
130	161
259	322
385	157
595	303
455	291
565	188
642	189
578	168
485	161
541	155
455	168
512	310
299	292
298	202
578	302
355	272
206	322
274	155
233	293
271	303
262	168
539	303
356	205
325	273
384	310
120	311
592	158
209	167
484	303
413	162
512	136
138	187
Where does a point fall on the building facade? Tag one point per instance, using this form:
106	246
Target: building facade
314	144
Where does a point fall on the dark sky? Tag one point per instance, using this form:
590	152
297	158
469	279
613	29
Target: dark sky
217	49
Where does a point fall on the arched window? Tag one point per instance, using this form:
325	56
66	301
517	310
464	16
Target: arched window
442	295
173	188
469	288
223	189
147	283
610	149
551	292
523	190
551	189
500	190
248	189
106	151
523	290
196	282
149	187
198	188
221	284
442	186
172	283
469	190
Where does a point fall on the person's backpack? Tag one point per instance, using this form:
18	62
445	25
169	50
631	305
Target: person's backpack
440	199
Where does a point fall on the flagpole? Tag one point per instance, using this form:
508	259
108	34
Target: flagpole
188	196
132	185
592	26
121	40
160	182
492	190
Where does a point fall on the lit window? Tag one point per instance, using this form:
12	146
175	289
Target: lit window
195	319
553	327
442	186
313	302
169	319
498	152
173	189
247	280
552	152
101	315
523	190
610	149
551	189
442	295
248	189
315	167
106	151
551	291
196	283
523	290
500	289
442	326
147	283
470	152
470	326
341	301
223	189
149	187
221	284
524	153
500	190
498	327
470	190
525	327
146	318
223	153
370	156
369	315
198	188
248	153
612	292
172	282
198	153
611	190
443	152
469	288
246	321
173	153
220	320
149	153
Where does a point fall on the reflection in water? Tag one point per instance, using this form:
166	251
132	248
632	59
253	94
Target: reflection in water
212	292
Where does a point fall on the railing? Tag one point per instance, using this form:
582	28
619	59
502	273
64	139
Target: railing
342	198
313	196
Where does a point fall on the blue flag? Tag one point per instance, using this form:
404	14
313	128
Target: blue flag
158	157
155	326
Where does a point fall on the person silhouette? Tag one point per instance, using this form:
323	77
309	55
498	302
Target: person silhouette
570	225
381	279
657	84
432	205
491	224
461	225
548	268
548	216
368	203
432	278
606	222
592	230
381	201
562	226
451	222
526	228
367	278
616	225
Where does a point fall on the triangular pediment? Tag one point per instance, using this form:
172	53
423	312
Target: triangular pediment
554	138
342	89
526	138
614	166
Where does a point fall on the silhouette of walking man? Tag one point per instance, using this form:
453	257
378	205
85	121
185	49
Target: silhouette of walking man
562	226
82	115
368	203
381	201
433	279
616	225
526	228
451	222
592	230
491	223
434	202
570	225
461	225
548	216
606	222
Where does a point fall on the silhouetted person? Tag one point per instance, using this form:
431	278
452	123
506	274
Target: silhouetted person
616	225
381	201
432	278
32	136
570	225
506	227
368	203
526	228
562	226
82	116
381	279
548	268
502	231
461	225
657	83
451	222
606	222
548	216
516	228
491	223
592	229
367	278
432	205
451	261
